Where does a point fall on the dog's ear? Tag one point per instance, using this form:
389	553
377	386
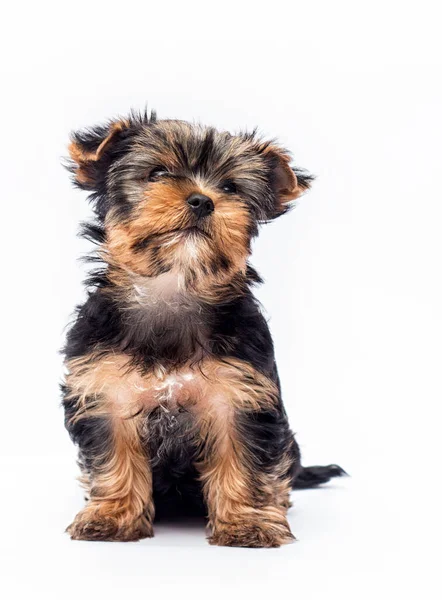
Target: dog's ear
287	182
92	151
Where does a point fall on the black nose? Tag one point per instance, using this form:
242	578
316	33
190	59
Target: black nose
201	205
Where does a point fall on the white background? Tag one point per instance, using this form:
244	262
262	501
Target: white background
353	280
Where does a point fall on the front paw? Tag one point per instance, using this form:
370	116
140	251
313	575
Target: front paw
252	534
93	526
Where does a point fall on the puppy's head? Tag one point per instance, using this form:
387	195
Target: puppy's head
174	196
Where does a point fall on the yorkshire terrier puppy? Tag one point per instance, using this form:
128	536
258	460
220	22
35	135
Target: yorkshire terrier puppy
172	391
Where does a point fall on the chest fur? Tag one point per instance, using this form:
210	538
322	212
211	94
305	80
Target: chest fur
111	385
164	321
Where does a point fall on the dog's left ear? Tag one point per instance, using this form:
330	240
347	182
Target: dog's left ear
92	150
287	182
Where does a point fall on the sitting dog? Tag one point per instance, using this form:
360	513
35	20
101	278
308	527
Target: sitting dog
171	390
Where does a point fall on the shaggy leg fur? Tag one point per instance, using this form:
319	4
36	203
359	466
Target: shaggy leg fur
117	475
246	487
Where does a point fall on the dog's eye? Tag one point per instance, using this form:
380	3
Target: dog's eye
156	173
229	187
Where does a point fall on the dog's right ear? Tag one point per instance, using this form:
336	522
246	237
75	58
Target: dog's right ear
92	151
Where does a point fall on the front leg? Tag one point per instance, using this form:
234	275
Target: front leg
115	468
117	474
246	460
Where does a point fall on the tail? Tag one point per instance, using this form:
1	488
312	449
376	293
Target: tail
308	477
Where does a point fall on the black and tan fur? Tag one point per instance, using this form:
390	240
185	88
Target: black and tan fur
171	389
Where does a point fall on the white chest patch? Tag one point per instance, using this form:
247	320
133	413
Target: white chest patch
164	289
171	386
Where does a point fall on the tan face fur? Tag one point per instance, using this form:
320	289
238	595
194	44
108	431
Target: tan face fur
149	228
